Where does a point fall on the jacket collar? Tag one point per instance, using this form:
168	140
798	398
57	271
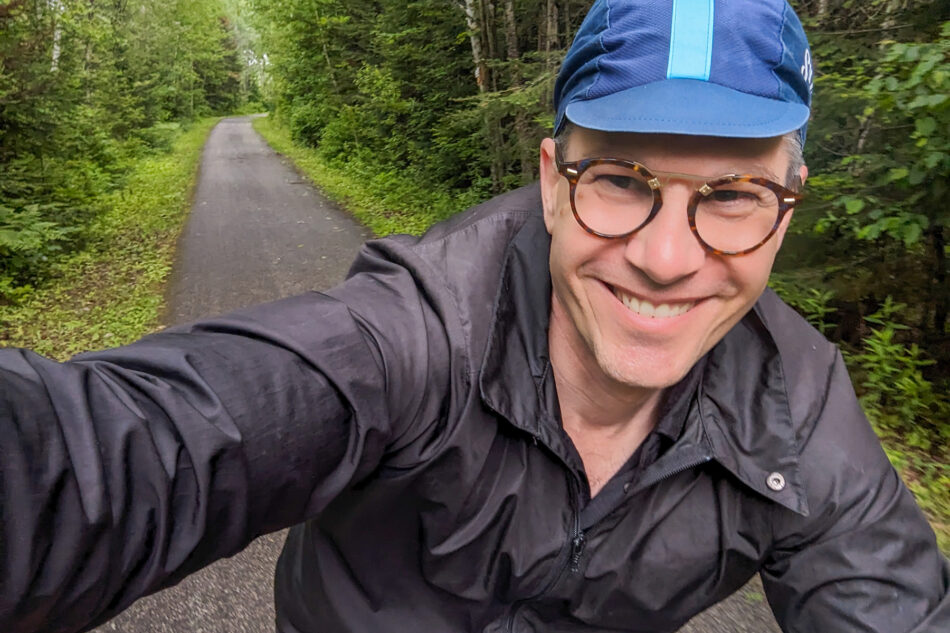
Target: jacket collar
744	418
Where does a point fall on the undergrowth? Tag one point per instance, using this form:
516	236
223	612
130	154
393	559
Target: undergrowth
908	412
110	292
385	202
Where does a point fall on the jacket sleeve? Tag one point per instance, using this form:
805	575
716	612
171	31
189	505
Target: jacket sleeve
123	471
866	560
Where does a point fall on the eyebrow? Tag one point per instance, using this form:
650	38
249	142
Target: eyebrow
765	171
759	168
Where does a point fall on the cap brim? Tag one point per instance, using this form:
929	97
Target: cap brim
688	106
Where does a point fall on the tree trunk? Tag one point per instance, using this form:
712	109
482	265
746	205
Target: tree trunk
56	8
326	58
940	294
522	129
475	20
474	36
550	31
496	137
567	18
891	9
488	38
511	31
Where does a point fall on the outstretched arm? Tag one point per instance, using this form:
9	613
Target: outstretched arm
123	471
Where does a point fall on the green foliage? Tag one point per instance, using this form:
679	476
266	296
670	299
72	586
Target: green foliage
87	90
110	292
25	238
896	396
905	159
386	202
928	478
880	158
907	410
874	229
390	86
160	136
812	303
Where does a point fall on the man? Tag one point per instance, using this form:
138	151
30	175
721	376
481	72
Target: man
573	408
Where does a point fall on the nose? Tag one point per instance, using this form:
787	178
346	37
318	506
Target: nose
665	250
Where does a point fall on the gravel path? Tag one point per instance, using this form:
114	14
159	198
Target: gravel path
258	232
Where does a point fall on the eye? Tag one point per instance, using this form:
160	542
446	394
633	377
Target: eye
621	183
732	195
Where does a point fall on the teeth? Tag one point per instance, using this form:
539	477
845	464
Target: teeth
647	309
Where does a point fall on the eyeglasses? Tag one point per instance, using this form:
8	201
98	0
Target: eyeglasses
729	215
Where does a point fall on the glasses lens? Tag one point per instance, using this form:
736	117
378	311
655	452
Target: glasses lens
612	199
734	216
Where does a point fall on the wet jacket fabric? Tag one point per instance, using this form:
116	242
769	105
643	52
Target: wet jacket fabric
410	415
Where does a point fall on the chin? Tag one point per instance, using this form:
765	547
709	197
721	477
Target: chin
653	374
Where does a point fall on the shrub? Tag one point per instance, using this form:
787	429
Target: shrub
896	395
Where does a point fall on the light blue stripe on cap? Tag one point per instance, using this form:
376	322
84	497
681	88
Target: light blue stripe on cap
691	40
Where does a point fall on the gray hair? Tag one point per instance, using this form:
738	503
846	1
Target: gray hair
796	159
564	135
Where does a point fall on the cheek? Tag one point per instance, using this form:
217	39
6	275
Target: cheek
750	274
557	204
561	262
572	248
573	255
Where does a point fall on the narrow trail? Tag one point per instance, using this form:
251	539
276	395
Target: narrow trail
259	232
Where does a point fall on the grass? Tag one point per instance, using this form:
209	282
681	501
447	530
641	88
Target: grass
111	293
384	202
361	194
929	480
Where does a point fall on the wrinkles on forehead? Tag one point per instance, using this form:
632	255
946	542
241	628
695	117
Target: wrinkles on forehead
756	156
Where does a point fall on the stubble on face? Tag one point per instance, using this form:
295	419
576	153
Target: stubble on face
594	334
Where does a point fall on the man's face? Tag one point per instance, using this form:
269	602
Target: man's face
640	312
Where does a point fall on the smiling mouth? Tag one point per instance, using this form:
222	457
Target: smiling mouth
647	309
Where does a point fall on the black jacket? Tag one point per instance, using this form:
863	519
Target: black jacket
411	412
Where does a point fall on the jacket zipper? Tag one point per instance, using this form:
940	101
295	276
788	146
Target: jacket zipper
572	562
687	464
577	549
579	538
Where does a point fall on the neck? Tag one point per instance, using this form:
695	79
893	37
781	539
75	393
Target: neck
590	398
605	418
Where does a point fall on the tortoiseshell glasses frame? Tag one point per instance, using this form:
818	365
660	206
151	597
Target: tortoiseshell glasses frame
573	171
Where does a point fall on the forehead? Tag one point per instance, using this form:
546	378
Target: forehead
700	155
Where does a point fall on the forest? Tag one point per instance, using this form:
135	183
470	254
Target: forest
425	107
86	90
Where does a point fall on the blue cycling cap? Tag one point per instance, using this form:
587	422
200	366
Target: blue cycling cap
733	68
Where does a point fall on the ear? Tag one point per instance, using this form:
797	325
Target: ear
550	180
780	234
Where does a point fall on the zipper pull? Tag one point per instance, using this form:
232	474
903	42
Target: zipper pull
577	548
